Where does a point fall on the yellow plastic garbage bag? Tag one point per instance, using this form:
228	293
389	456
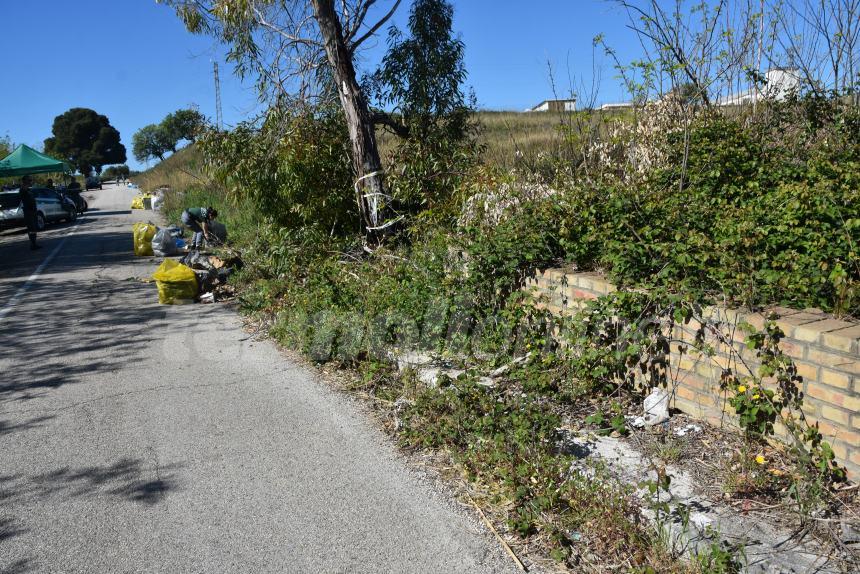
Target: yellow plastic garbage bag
140	201
177	284
143	234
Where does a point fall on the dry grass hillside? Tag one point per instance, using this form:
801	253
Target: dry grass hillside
179	171
509	138
512	139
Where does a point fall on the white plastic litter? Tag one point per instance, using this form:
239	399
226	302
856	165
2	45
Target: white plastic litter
689	429
164	244
656	407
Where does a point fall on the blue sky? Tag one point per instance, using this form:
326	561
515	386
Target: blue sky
133	61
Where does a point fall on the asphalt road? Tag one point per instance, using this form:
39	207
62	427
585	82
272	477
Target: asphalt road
136	437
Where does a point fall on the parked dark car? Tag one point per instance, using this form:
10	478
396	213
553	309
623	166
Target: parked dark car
50	206
74	195
94	182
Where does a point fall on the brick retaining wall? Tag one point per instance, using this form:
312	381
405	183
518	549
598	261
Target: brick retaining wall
826	352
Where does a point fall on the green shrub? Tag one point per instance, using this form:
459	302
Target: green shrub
294	170
732	216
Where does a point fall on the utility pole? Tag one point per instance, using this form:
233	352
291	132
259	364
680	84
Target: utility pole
219	119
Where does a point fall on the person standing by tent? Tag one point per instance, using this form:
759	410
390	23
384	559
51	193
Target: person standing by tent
28	206
197	219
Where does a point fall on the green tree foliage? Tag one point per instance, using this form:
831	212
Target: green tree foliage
421	81
294	170
155	140
183	125
422	75
151	142
6	146
116	171
85	139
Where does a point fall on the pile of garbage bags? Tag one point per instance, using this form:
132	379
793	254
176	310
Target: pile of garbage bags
177	283
150	240
143	234
196	276
143	201
212	273
168	241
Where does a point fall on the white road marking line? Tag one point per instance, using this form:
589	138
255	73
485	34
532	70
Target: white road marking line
32	278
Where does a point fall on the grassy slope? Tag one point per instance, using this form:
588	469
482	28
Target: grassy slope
502	133
180	171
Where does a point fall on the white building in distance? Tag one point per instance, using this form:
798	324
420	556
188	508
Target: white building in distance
779	84
555	106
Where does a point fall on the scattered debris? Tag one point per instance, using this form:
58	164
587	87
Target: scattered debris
691	521
431	376
207	298
504	544
400	405
690	428
197	260
636	422
505	368
412	360
430	369
487	382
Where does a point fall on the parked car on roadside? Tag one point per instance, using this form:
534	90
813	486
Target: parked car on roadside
50	207
74	195
93	182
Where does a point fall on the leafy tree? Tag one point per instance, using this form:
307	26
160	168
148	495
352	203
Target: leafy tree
299	49
85	139
152	141
183	125
421	80
422	75
6	146
115	171
299	178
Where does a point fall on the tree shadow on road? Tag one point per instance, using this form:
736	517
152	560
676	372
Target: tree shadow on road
35	422
10	528
19	567
96	212
82	318
130	479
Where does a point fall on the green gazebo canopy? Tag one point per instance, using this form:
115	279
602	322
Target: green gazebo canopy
25	161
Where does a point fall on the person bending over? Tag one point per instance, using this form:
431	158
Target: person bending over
197	219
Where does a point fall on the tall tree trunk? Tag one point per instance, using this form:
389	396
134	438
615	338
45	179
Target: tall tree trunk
365	153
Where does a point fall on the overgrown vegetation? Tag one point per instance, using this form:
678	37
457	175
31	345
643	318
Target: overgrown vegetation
680	202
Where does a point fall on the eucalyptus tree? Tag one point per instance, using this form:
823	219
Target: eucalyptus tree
304	51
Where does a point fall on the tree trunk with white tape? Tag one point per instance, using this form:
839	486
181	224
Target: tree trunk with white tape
359	121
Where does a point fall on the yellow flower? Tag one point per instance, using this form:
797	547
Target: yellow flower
742	389
760	459
755	397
